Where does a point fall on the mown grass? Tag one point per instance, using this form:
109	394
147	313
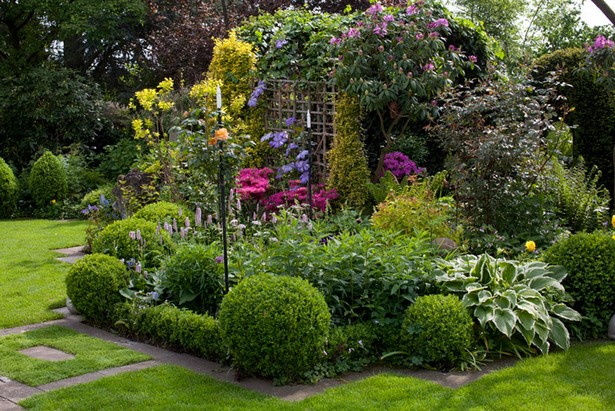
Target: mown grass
31	280
91	354
581	379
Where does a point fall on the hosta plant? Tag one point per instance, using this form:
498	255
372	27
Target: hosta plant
512	298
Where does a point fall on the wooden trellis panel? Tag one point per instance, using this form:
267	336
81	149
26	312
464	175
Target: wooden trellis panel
288	98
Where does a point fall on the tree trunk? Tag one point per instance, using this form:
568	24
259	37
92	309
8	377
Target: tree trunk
605	9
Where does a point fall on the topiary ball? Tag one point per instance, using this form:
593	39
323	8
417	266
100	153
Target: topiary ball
590	262
437	329
93	284
8	190
134	238
194	278
165	212
48	181
275	326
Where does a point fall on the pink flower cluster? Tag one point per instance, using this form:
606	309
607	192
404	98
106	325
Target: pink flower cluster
601	42
400	165
253	183
298	193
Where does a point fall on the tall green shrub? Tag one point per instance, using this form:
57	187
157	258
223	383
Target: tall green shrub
348	171
590	261
48	180
594	109
8	190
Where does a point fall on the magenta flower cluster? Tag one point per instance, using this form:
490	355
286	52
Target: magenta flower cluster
601	42
400	165
298	193
253	183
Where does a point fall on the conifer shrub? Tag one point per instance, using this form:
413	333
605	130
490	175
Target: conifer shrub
165	212
48	181
437	330
348	170
590	262
93	284
275	326
134	238
8	190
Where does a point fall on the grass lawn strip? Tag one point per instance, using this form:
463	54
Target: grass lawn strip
31	280
91	354
581	379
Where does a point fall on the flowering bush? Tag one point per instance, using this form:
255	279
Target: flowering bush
400	165
601	60
396	61
320	197
253	183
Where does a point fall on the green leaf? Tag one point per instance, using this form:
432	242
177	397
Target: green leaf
559	334
484	295
526	320
505	320
509	273
484	314
565	312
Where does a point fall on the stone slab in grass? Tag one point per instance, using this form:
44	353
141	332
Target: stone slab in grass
47	353
87	354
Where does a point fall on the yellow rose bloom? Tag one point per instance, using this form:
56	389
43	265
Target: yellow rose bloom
530	246
613	221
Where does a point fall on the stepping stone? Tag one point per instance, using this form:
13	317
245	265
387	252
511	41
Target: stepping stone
72	254
42	352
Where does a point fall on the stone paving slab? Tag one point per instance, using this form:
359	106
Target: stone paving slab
43	352
71	254
6	405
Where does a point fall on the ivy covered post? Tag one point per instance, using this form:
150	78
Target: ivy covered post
309	154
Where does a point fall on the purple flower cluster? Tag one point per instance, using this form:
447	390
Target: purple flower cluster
256	93
437	23
601	42
400	165
280	43
276	139
320	197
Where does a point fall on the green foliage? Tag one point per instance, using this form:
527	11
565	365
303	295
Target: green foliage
8	190
412	144
581	202
115	240
303	37
590	261
170	326
437	330
512	299
494	133
416	208
348	171
274	326
165	212
93	284
594	109
364	274
118	158
48	180
47	108
193	278
81	178
93	197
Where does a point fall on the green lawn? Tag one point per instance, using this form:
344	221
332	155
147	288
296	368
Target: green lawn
91	354
581	379
31	280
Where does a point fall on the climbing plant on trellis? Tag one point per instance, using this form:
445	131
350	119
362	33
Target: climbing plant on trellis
290	98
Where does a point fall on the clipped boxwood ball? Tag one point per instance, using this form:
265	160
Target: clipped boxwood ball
438	329
193	278
8	190
275	326
148	246
48	180
590	262
165	212
93	284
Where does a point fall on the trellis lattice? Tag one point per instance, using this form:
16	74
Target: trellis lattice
289	98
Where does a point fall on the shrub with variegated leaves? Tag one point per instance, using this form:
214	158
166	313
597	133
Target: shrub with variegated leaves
512	299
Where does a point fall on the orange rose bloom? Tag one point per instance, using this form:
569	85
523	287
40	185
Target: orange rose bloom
220	135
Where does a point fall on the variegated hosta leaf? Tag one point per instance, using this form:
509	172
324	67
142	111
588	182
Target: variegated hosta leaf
565	312
559	334
504	320
484	314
